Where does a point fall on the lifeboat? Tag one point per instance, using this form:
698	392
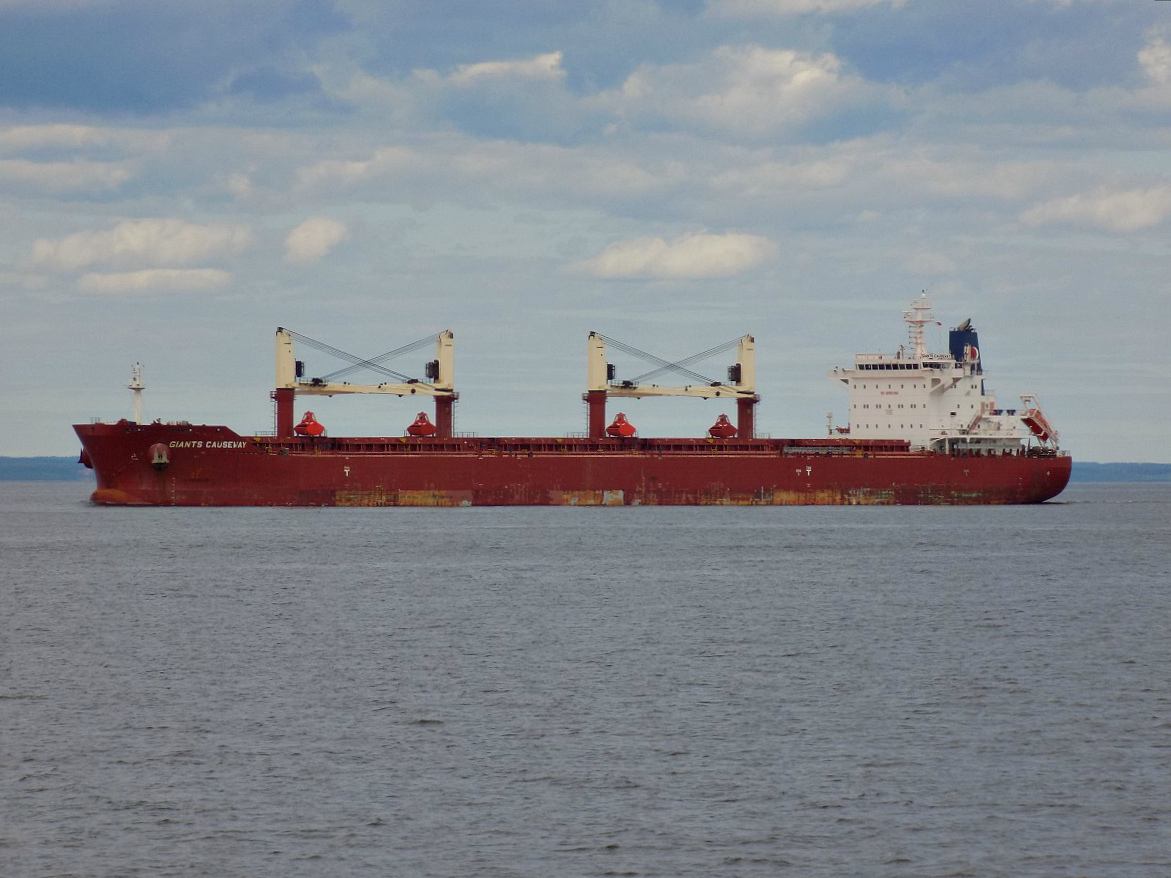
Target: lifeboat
1035	420
722	428
1037	425
422	426
309	426
621	428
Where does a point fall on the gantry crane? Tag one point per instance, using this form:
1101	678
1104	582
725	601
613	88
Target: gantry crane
740	386
440	375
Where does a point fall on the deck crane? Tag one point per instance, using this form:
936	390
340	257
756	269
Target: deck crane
740	385
440	375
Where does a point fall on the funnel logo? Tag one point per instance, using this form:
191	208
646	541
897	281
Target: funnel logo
971	353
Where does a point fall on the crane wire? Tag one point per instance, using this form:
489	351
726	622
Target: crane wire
665	365
372	364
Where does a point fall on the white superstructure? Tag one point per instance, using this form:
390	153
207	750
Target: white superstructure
935	401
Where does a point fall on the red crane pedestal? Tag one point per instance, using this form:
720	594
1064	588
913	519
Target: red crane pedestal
444	416
596	400
746	417
283	397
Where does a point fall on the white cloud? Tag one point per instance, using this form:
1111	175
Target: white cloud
153	280
770	177
546	66
240	186
744	88
1117	210
313	239
780	8
22	138
697	256
347	172
1155	59
960	173
390	99
467	170
62	177
137	243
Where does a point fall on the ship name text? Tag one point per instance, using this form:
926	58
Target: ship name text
200	443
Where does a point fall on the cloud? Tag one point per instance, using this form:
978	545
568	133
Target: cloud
1155	59
240	186
313	239
1116	210
470	171
750	89
138	243
348	172
63	159
696	256
781	8
961	174
25	138
523	99
547	66
771	178
60	177
153	280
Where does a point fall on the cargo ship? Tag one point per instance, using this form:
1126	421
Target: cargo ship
922	429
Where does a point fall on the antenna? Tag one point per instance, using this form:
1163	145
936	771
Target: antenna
917	317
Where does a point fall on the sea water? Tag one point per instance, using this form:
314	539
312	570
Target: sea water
586	692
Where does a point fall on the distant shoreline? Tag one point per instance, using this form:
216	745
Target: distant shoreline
43	469
67	469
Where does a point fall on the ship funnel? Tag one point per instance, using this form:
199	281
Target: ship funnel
963	344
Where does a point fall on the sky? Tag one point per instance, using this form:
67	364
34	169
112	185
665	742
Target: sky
179	179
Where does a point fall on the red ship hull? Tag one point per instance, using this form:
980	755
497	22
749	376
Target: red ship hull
190	465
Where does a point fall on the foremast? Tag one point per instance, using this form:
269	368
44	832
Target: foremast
136	386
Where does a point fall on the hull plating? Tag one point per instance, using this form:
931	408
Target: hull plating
213	466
